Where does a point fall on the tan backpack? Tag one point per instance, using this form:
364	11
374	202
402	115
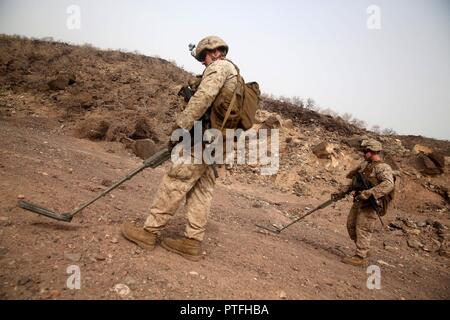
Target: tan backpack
248	104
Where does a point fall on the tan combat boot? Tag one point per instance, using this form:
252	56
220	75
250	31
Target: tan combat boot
141	237
188	248
354	261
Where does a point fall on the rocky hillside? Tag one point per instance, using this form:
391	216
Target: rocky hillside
98	94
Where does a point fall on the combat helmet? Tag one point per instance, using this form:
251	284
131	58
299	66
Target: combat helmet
372	145
208	43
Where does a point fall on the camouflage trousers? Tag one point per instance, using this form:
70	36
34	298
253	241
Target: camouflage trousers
360	226
195	182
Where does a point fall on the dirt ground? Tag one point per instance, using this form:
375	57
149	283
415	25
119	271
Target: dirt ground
42	164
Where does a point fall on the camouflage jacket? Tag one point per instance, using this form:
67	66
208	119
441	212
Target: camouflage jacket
219	74
379	174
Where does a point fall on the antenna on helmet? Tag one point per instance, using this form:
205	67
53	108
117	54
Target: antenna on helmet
191	49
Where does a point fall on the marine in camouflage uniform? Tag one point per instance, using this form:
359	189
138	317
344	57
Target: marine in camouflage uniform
363	217
195	182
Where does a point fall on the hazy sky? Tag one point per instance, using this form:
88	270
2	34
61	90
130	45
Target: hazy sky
396	76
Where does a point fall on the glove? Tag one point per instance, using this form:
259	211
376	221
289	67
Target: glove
186	92
365	195
335	196
338	195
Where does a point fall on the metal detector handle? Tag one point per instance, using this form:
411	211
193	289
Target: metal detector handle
158	158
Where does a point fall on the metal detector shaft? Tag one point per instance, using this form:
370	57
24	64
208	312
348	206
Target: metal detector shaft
321	206
154	161
128	177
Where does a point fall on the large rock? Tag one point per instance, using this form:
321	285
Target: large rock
323	150
354	142
438	159
415	244
426	165
62	81
272	122
393	147
85	100
262	115
418	148
288	124
94	128
144	148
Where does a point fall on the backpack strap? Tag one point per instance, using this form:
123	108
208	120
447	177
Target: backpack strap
233	99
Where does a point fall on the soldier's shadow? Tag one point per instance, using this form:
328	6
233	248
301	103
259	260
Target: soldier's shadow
61	226
336	250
